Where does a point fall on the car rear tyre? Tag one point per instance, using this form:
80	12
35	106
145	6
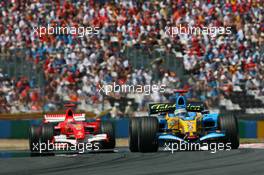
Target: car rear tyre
229	124
107	127
34	136
134	124
47	133
148	129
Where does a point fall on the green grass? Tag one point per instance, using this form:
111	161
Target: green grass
247	140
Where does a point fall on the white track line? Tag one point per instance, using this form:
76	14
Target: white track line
252	145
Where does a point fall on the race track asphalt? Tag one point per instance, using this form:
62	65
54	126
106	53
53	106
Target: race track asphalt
244	161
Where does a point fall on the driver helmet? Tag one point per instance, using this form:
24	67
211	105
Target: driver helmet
180	112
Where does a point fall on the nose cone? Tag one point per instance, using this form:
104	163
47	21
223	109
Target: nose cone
79	131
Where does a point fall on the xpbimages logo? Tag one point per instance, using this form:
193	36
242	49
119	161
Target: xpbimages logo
192	30
79	147
124	88
183	146
66	30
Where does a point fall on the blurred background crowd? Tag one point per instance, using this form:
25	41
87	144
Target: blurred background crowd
74	67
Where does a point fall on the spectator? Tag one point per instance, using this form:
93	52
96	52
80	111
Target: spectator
75	66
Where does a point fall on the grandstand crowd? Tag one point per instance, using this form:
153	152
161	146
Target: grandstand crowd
74	67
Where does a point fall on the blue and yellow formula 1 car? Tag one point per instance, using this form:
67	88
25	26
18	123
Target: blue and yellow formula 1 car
181	122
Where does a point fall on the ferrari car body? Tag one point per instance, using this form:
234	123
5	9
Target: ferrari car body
70	129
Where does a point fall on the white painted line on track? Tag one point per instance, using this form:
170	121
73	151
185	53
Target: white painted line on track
252	145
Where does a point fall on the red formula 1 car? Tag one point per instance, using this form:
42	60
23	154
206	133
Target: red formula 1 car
71	131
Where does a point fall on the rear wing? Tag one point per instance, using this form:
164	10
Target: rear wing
161	107
61	117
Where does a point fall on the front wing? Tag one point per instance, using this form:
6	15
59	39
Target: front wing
171	137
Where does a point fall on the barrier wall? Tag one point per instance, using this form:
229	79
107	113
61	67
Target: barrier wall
18	129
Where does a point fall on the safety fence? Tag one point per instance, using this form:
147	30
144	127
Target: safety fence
17	64
147	58
18	129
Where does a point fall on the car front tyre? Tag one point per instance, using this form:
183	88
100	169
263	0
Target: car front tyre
147	137
229	125
134	124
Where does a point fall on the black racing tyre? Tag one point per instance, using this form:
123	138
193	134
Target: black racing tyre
147	138
47	133
134	124
229	124
34	138
107	127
